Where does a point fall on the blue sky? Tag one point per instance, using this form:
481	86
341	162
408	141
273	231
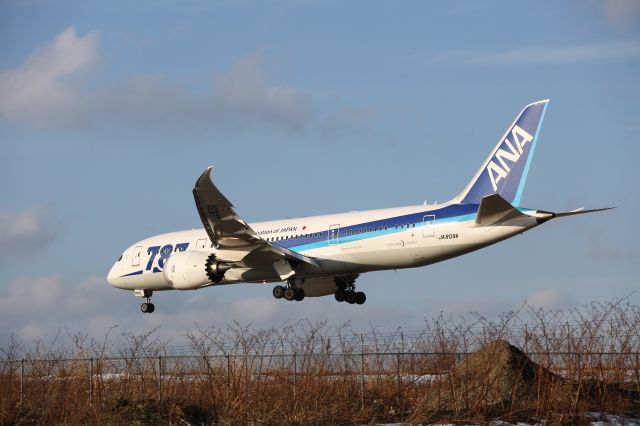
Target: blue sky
110	110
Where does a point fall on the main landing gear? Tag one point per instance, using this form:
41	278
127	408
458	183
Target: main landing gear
146	307
346	291
290	292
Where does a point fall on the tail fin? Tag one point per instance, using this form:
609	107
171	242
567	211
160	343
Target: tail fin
505	171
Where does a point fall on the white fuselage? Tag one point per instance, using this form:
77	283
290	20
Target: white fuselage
341	244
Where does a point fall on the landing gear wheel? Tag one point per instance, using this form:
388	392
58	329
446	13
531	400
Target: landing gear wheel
147	308
299	294
278	292
361	298
289	294
351	297
340	296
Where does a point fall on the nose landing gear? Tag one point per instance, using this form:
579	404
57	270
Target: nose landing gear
146	307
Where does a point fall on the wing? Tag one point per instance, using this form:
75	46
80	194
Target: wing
234	239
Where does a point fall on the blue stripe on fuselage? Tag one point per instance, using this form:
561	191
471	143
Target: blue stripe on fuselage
451	213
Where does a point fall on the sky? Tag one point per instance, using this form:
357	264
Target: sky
109	111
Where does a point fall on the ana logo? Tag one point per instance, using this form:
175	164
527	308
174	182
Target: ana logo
496	172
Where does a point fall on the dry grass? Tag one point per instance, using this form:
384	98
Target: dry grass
571	363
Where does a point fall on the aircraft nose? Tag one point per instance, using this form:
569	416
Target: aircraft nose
113	277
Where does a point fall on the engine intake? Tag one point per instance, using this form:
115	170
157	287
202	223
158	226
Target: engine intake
192	269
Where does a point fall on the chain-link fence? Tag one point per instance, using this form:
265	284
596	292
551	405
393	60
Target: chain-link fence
355	381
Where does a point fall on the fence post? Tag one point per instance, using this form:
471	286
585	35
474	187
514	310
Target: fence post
398	383
21	381
91	379
159	378
295	377
361	371
228	383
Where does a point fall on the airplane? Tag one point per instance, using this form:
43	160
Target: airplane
324	255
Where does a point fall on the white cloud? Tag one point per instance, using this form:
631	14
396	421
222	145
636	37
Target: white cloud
486	306
545	55
25	232
238	99
244	92
40	92
258	309
46	92
622	13
29	296
41	307
346	119
551	299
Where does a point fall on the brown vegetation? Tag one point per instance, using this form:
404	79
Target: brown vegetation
569	363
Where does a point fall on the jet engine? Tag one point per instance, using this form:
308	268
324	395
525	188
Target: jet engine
192	269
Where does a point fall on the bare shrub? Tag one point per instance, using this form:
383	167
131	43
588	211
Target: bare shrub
531	364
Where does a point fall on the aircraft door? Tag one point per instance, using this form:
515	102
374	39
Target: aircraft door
428	221
201	243
135	259
334	234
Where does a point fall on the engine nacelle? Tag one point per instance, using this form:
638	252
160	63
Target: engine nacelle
192	269
315	287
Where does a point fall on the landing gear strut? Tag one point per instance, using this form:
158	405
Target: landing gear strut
346	291
146	307
291	291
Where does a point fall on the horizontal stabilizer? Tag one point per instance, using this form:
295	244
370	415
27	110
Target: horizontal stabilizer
581	210
494	209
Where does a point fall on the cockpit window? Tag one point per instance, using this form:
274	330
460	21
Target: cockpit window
119	259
